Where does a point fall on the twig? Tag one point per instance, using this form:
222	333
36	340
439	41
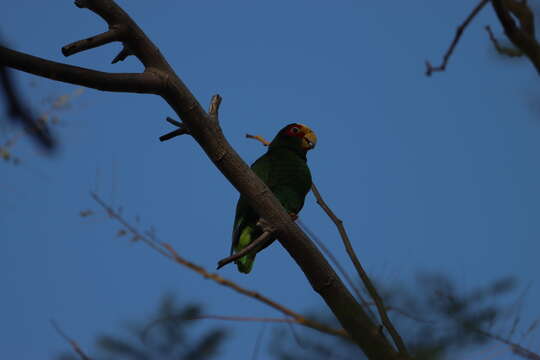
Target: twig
182	129
259	138
508	51
168	251
361	272
430	69
114	34
516	348
253	248
72	342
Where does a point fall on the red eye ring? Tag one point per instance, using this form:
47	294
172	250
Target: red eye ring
295	130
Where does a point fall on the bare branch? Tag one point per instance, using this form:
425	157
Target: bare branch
146	82
522	37
72	342
253	248
168	251
114	34
516	348
259	138
430	69
361	272
182	129
134	38
122	55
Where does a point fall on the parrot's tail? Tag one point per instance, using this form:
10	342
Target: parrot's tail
245	263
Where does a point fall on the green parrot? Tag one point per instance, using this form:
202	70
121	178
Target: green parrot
284	170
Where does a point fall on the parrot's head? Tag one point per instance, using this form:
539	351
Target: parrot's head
296	136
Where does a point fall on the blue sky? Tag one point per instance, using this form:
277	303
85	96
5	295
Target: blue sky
428	174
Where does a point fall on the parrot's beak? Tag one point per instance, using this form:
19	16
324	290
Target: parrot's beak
309	140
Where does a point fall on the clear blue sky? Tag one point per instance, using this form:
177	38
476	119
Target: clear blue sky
429	174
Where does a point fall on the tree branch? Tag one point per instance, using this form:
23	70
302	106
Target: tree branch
253	248
523	38
182	129
361	272
114	34
430	69
146	82
210	137
504	50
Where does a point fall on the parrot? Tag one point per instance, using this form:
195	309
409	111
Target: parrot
283	168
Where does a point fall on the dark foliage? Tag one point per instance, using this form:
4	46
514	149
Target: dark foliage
171	334
437	321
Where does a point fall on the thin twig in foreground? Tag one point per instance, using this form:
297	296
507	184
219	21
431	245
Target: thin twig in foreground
72	342
361	272
430	69
168	251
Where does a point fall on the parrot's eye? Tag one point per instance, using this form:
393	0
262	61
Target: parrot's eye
295	130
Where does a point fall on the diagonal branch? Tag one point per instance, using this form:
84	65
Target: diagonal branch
361	272
146	82
71	342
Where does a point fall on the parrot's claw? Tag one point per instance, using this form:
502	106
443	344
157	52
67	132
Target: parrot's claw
293	216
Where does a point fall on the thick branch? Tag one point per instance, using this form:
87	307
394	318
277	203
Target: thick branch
146	82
